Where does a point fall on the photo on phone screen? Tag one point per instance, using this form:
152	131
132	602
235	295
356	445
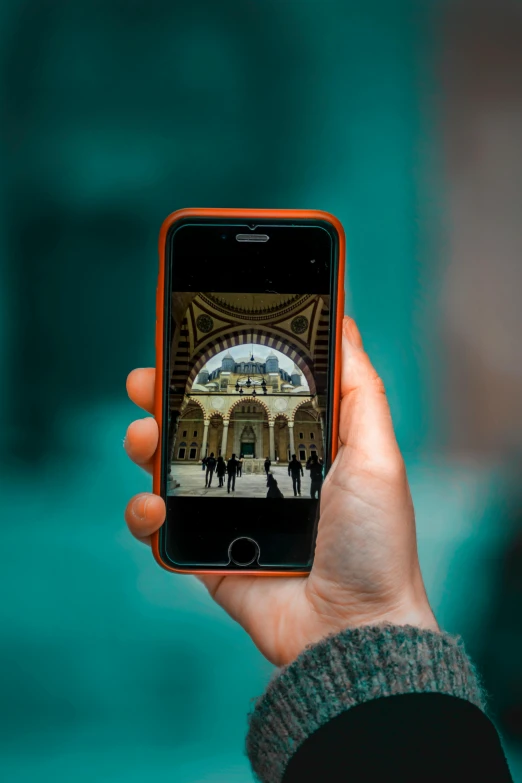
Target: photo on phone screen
247	335
247	395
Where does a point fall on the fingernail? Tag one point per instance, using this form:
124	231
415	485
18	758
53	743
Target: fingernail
139	507
352	333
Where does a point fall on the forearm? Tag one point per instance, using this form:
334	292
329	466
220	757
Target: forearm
330	707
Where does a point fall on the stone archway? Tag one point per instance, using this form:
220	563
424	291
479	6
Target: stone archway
308	409
190	402
258	400
248	429
189	433
247	441
257	337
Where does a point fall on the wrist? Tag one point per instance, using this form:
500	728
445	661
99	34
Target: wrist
417	617
412	613
339	673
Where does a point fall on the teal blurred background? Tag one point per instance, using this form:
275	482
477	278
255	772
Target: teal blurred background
404	120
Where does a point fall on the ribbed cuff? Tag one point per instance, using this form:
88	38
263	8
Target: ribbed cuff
350	668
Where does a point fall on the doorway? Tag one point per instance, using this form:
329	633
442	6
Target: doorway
248	442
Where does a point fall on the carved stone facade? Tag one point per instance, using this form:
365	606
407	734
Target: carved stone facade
255	428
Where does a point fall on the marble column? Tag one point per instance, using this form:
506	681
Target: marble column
226	422
237	439
203	452
259	446
291	438
173	431
271	425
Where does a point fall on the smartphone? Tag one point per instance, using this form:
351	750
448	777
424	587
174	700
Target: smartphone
249	316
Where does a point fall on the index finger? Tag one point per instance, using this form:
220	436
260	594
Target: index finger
140	387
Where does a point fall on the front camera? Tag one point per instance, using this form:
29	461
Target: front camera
223	236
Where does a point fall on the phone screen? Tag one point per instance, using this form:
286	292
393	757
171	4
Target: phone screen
248	361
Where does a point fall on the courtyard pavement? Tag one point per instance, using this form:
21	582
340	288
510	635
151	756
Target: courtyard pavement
192	482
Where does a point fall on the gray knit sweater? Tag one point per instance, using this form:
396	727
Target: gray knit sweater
347	669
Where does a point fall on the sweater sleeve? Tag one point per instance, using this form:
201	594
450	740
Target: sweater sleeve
346	670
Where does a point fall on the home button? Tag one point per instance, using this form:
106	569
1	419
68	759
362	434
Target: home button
243	551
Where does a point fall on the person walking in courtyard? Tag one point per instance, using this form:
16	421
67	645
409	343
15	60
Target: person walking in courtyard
220	470
267	465
232	472
295	470
210	465
316	476
240	465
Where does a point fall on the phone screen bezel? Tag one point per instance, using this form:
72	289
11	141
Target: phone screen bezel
207	232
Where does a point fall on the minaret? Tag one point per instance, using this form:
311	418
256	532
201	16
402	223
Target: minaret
228	363
272	363
296	376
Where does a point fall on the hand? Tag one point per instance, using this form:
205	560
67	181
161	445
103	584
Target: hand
366	569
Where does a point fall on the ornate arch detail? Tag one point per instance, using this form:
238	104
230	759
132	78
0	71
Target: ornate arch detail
193	401
304	402
250	400
244	336
281	415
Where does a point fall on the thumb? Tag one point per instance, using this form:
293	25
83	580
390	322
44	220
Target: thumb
365	421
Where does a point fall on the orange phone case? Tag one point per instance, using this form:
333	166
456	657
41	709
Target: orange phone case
246	214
